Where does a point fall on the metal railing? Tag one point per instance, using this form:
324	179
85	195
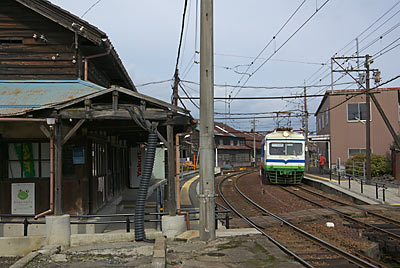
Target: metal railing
28	219
355	171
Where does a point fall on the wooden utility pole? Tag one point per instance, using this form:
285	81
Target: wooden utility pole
58	169
368	122
175	88
171	204
207	191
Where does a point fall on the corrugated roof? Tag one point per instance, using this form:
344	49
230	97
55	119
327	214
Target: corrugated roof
20	97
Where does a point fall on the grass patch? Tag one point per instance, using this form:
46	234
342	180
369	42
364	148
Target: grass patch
264	258
230	244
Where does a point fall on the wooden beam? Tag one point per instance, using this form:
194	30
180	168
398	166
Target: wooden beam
73	130
58	170
122	114
162	138
45	131
115	101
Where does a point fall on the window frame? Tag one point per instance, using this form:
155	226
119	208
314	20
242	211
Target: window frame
358	111
348	151
40	160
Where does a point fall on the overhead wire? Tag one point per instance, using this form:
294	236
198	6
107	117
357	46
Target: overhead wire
90	8
363	32
273	38
284	43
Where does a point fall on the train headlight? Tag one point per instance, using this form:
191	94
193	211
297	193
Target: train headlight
285	134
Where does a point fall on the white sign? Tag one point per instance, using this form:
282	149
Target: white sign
23	198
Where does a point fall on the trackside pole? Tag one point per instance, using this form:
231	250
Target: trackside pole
207	192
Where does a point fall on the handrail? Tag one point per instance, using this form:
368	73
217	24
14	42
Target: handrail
128	219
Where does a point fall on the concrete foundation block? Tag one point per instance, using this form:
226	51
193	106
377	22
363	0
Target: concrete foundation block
173	225
58	230
20	246
159	253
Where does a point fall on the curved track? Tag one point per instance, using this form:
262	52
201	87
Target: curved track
304	247
372	220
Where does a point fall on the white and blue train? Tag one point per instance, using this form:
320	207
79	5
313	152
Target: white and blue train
282	157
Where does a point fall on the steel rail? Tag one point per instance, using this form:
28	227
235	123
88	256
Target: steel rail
395	222
345	215
348	256
249	221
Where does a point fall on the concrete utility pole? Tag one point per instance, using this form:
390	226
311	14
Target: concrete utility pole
307	164
368	122
254	141
207	191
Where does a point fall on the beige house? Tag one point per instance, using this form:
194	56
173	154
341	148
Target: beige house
343	125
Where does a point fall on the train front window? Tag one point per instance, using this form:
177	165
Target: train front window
280	148
276	148
294	148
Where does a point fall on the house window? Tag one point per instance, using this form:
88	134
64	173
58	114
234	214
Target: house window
353	152
356	111
326	118
322	119
232	143
28	160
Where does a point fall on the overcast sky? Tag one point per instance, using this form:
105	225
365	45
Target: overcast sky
146	37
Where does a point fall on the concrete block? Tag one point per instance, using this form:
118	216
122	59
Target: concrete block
58	230
159	253
20	246
21	263
173	225
188	235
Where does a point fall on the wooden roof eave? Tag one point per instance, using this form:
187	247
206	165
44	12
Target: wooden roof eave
74	24
137	95
65	19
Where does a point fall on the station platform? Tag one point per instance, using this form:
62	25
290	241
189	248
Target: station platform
366	193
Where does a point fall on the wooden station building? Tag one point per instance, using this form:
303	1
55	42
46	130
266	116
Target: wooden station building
69	111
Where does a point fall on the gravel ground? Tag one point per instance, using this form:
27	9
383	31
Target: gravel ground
6	262
129	254
277	201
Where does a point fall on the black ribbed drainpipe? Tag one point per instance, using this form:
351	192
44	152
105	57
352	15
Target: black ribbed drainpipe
144	185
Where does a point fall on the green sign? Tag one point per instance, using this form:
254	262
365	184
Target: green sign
25	153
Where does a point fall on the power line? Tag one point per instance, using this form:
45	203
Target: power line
181	37
154	83
352	41
273	38
284	43
90	8
270	87
256	113
362	93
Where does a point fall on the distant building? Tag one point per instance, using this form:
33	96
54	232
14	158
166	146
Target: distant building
341	127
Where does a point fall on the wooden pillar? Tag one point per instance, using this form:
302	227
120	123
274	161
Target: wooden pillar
171	200
58	169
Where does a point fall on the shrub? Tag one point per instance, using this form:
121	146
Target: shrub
380	165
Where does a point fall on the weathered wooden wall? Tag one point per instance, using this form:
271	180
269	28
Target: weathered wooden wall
33	47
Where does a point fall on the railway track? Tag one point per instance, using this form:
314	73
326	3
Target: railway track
371	220
304	247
